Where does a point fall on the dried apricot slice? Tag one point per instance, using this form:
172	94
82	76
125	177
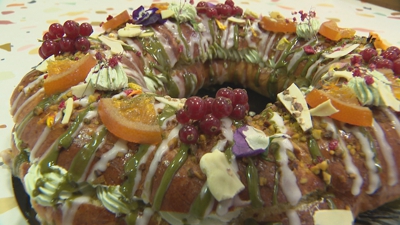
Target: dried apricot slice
116	21
133	119
76	73
348	112
277	25
330	30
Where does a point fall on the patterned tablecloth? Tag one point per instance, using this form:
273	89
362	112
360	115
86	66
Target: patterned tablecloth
22	24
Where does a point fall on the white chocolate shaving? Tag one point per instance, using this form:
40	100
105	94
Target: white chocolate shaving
221	178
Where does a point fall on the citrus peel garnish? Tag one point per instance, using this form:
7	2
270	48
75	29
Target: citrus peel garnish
378	42
348	112
132	119
72	75
116	21
330	30
277	24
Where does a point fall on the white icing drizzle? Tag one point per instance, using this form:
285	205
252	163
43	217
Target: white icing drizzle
348	161
351	168
162	148
293	217
312	67
172	27
193	41
180	83
226	128
297	55
119	147
138	175
14	105
387	152
82	101
33	83
39	142
393	119
69	209
268	47
373	176
27	101
288	181
249	35
279	122
168	48
227	40
144	218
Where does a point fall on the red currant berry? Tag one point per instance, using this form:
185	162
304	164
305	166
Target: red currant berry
396	67
48	36
49	48
188	134
202	7
182	117
210	124
384	63
224	10
369	80
85	29
237	11
368	53
225	92
208	102
238	112
67	45
240	96
391	55
333	144
230	3
393	49
211	12
113	61
247	106
41	53
82	44
56	30
194	107
222	107
71	29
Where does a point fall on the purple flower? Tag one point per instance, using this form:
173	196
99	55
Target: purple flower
241	148
250	141
147	17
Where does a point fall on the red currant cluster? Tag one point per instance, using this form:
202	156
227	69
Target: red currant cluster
390	58
208	112
219	10
75	39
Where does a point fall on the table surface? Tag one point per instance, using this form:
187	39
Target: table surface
22	23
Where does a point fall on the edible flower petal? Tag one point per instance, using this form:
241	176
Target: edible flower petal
146	17
250	141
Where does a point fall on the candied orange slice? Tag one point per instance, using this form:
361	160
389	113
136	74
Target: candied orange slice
132	119
378	42
348	112
58	66
277	25
116	21
160	5
330	30
76	73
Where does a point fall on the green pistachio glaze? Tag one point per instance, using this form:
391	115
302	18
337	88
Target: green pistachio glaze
169	173
254	188
83	157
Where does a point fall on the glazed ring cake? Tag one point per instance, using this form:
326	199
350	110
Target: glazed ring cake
109	130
